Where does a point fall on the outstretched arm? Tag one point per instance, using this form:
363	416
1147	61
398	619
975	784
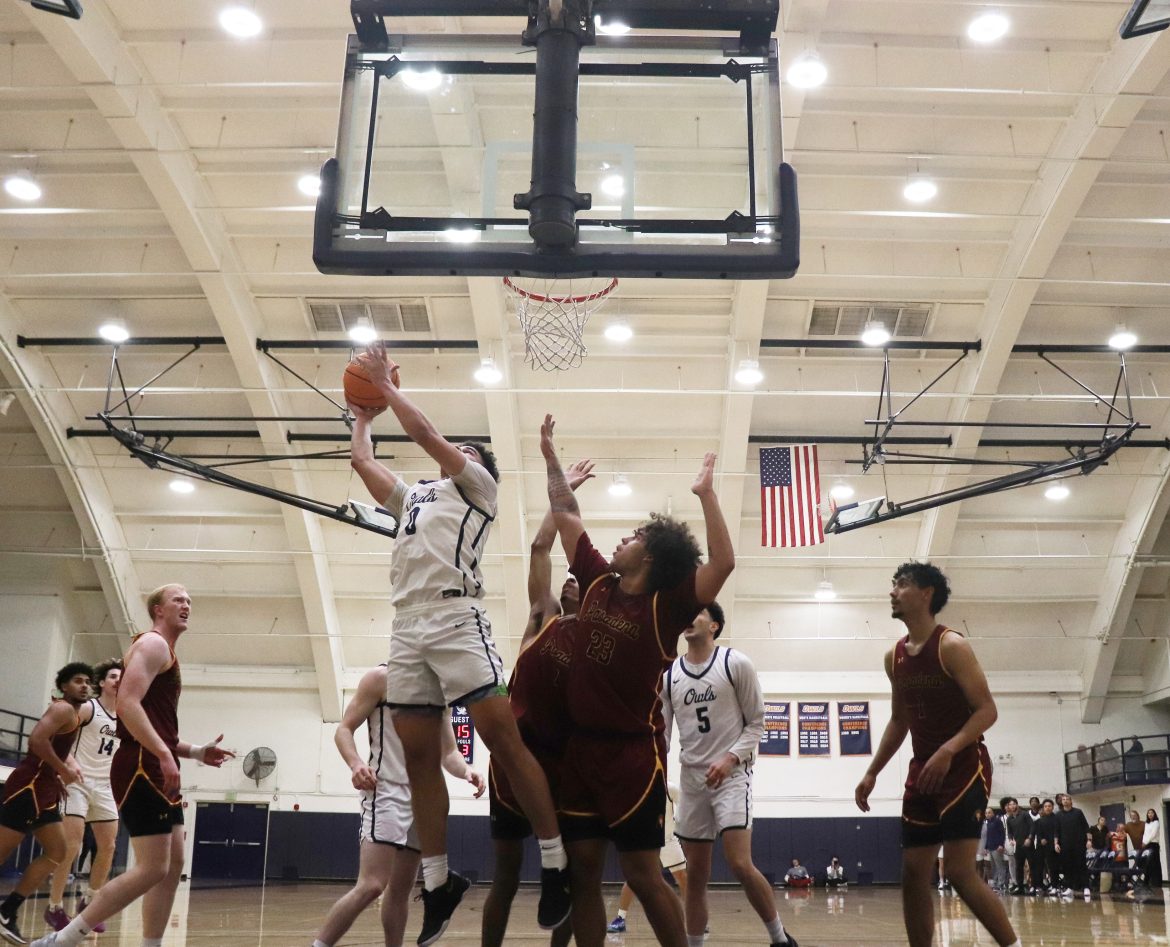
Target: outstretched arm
383	372
566	513
720	562
380	480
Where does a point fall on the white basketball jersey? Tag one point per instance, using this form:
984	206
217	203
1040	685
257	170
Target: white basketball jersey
96	742
714	707
443	529
387	759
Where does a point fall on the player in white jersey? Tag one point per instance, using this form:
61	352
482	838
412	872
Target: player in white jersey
389	845
441	651
90	802
713	695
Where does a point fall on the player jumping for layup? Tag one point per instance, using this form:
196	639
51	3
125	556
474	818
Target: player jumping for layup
632	609
941	698
145	776
713	694
442	651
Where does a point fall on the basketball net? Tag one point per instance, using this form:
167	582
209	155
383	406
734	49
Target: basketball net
553	314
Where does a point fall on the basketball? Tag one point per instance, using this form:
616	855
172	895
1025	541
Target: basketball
359	390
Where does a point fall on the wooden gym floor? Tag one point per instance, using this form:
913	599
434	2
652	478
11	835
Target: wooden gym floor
287	916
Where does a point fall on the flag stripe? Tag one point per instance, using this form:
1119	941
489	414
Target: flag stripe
790	495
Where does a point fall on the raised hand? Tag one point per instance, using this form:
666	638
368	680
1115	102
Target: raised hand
379	365
366	414
578	473
547	447
705	478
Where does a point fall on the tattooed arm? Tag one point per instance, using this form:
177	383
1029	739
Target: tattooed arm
563	504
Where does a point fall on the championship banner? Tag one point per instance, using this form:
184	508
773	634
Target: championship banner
777	727
812	728
853	727
461	724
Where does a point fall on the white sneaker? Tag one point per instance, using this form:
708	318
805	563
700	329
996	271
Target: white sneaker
47	941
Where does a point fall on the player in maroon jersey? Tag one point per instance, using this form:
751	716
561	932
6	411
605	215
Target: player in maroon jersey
633	608
537	695
34	789
940	697
145	776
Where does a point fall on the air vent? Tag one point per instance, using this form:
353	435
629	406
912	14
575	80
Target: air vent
386	315
848	319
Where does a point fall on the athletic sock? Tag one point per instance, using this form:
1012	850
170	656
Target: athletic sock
622	912
435	871
552	853
74	934
152	942
11	904
776	930
695	940
321	943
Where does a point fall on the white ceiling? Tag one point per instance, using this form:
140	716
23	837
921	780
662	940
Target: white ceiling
169	154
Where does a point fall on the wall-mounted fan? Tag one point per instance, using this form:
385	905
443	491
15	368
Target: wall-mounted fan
259	763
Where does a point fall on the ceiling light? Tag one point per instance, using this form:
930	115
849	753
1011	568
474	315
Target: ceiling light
825	591
614	185
114	332
841	491
487	373
424	80
240	22
363	333
749	372
22	187
461	234
988	28
807	72
919	190
619	332
1058	491
875	333
612	28
182	486
309	185
620	486
1122	338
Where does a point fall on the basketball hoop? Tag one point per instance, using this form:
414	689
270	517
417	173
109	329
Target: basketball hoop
553	314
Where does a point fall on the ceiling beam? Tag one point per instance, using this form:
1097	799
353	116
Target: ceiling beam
124	95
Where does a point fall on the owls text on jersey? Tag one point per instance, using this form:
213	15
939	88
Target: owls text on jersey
96	742
443	529
714	707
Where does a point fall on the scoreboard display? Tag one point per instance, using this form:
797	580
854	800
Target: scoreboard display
461	724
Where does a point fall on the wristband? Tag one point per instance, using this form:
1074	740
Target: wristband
196	752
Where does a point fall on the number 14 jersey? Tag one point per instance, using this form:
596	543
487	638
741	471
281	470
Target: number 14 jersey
97	740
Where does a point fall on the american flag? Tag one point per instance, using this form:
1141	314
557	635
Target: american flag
790	492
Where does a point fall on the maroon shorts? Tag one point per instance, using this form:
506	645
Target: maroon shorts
507	816
953	812
137	782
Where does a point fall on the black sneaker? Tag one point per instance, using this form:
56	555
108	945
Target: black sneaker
789	941
555	901
439	905
9	929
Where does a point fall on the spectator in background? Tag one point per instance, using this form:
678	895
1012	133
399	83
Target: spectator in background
835	874
1151	853
982	856
1135	758
1135	829
1035	855
1048	847
1072	833
997	849
1099	842
797	876
1108	762
1119	843
1019	833
942	871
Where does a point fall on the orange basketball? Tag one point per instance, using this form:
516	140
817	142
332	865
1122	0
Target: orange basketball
359	389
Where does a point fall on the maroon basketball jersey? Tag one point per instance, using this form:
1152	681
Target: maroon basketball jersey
35	772
936	708
537	688
161	703
622	645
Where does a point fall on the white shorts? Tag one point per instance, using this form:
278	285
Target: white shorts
92	800
387	817
671	857
441	653
704	813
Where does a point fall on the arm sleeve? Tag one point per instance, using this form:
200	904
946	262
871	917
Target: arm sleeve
667	706
588	564
397	498
751	705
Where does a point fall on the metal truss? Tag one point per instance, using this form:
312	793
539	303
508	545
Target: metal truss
152	447
1084	456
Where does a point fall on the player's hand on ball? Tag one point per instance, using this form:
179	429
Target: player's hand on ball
477	780
366	414
705	479
547	447
578	473
363	777
864	788
379	365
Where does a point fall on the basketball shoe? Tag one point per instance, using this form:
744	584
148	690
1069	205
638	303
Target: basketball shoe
439	905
